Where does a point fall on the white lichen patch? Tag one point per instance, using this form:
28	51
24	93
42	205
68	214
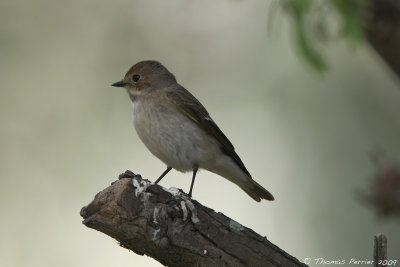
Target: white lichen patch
140	186
235	225
186	204
174	191
155	233
155	216
193	211
184	210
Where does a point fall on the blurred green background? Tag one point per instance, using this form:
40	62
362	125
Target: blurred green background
66	134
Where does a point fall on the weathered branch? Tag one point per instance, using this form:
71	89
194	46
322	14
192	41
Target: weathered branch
175	230
383	31
380	250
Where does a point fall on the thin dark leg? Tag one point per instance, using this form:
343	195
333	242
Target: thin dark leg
163	174
194	176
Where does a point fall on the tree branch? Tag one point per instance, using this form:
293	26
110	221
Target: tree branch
380	250
383	31
176	230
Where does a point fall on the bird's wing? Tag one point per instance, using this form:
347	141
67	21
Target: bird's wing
194	110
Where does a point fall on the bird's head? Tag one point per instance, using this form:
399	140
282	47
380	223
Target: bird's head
145	77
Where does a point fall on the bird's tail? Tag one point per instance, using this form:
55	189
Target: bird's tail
255	191
228	169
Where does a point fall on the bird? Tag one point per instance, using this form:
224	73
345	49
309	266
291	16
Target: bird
178	130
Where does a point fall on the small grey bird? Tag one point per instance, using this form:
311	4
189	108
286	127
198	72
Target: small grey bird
178	130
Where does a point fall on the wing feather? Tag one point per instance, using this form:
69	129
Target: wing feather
194	110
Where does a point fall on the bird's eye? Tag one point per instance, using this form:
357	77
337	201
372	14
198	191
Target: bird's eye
135	77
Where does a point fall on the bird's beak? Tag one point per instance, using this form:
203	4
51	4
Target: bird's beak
119	84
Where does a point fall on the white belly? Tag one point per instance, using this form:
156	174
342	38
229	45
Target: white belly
173	138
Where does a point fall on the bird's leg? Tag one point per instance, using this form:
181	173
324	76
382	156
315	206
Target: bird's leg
163	174
195	168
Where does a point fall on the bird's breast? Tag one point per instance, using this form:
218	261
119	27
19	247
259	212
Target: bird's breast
172	137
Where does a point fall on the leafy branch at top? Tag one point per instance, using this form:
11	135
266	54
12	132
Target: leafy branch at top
314	20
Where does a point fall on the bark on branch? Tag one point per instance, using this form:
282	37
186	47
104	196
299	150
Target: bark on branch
175	230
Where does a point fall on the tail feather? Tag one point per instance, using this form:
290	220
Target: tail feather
256	191
228	169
